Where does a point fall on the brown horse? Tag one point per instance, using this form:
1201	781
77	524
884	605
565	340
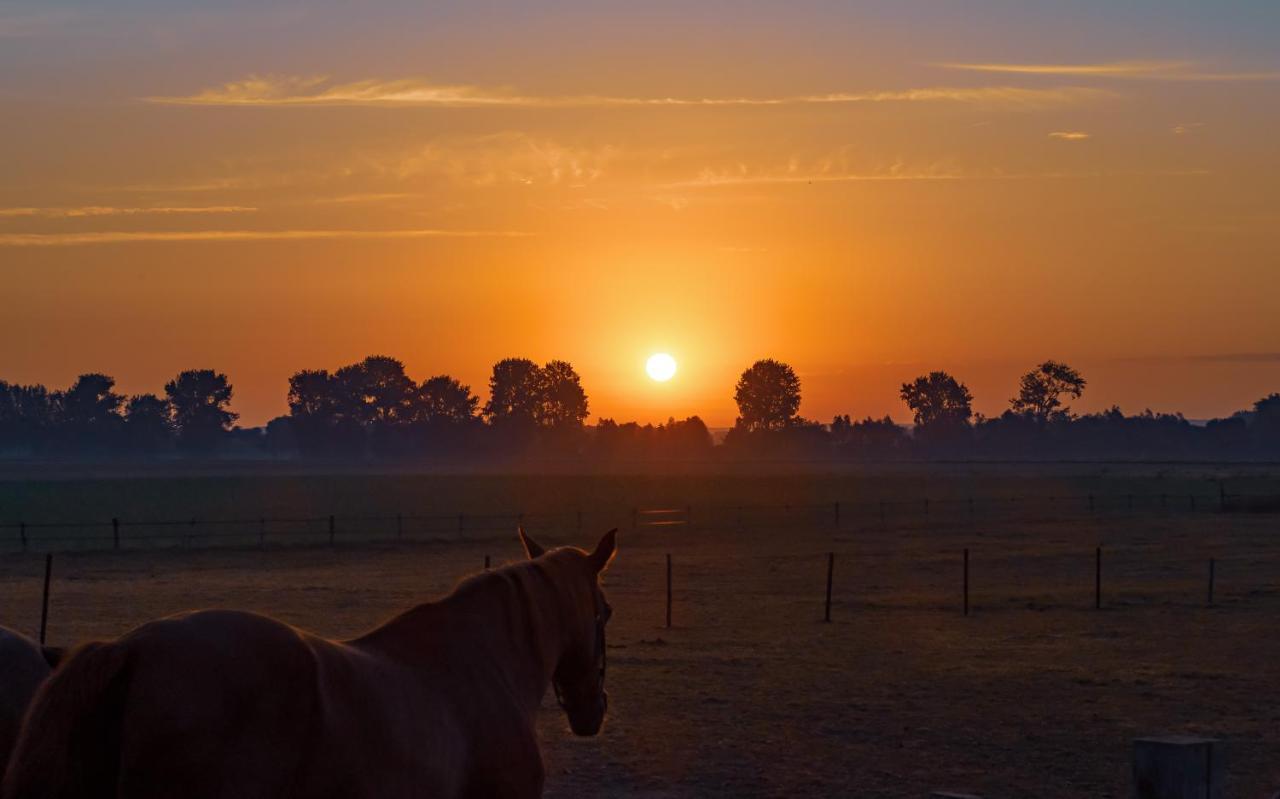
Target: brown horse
438	702
24	664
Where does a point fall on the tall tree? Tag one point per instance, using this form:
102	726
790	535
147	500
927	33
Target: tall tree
515	395
564	403
939	401
200	399
376	391
1041	390
89	412
768	396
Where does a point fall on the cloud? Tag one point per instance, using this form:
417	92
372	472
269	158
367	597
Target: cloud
103	210
1069	135
268	91
510	157
711	179
136	237
1183	128
1134	70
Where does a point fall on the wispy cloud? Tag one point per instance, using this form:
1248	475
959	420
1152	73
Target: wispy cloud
1069	135
1183	128
747	178
137	237
1134	70
266	91
106	210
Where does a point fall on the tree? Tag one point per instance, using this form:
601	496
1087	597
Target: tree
199	399
1041	390
564	403
375	391
768	396
147	422
26	416
515	395
941	403
89	412
441	400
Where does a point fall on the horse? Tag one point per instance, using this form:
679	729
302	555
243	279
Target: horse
24	664
439	701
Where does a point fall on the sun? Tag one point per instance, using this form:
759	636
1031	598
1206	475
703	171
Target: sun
661	367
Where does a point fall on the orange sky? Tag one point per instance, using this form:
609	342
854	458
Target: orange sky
867	191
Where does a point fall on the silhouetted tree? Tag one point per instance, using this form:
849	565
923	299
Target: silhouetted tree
147	422
869	439
443	400
564	403
515	396
1040	391
88	413
199	399
26	417
768	396
1265	424
942	407
375	391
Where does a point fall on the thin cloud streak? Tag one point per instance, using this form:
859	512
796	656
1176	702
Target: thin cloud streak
1133	70
104	210
294	91
1069	135
136	237
714	181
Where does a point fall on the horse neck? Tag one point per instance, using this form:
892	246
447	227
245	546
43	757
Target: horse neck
512	618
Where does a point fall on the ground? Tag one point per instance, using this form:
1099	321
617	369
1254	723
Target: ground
1035	694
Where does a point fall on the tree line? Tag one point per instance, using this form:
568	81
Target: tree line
373	409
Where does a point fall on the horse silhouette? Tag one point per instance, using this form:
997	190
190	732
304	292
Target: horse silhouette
24	664
440	701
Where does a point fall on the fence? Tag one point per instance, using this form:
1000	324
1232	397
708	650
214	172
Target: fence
119	533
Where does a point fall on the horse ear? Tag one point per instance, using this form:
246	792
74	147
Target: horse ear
531	548
605	550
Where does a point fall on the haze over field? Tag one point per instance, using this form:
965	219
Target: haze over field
866	191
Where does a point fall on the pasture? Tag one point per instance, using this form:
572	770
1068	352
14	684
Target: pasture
1035	694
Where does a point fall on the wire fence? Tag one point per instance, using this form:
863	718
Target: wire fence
333	529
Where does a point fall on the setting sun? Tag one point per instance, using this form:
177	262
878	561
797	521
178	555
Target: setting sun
661	367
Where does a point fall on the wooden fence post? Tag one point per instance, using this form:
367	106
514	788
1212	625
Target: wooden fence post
1178	767
668	590
486	563
831	567
44	601
115	533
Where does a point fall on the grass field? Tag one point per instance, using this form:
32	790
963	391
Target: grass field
1035	694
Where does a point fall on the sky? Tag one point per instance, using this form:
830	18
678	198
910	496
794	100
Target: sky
867	191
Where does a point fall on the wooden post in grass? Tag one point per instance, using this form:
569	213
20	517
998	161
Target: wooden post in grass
966	581
44	601
1097	579
1211	576
115	533
831	567
486	563
668	590
1178	767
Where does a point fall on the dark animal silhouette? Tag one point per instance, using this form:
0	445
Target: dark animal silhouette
23	666
440	701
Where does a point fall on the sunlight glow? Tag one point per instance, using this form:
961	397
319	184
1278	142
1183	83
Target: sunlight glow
661	367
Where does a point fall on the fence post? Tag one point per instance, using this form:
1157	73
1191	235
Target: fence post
486	563
1211	576
44	601
1191	498
1222	495
1097	579
115	533
22	531
668	590
831	567
926	506
966	581
333	529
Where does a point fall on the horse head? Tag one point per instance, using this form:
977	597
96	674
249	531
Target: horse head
579	675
